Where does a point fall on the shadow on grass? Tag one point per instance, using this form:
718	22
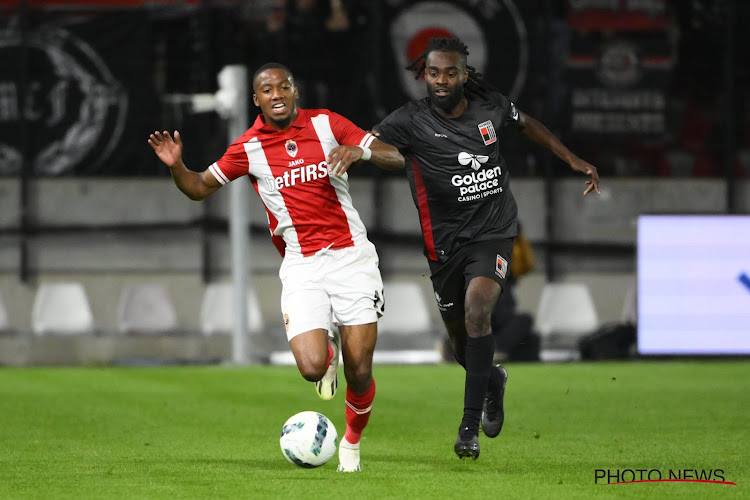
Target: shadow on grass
415	462
429	463
270	466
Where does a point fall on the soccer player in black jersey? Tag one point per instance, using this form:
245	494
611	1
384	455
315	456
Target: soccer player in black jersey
459	183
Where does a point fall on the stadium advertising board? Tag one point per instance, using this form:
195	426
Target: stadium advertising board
693	285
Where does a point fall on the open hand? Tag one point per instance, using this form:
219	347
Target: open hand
588	169
168	150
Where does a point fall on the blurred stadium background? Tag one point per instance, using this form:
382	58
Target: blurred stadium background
103	260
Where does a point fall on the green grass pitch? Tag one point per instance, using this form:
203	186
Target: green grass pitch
213	432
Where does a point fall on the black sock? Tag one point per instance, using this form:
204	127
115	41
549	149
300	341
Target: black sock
479	352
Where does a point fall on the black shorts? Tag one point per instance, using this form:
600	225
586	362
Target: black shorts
450	280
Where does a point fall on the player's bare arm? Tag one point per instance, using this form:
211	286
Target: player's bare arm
384	156
537	132
195	185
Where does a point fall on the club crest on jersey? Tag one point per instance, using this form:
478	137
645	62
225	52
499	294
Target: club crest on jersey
501	267
488	132
291	148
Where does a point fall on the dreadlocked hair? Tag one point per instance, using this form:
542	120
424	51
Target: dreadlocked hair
475	87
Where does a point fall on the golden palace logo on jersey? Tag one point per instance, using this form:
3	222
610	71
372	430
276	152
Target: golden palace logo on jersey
475	161
478	185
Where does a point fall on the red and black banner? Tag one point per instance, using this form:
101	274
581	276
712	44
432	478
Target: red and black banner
495	31
619	64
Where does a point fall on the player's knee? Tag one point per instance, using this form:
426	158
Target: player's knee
478	321
358	376
311	371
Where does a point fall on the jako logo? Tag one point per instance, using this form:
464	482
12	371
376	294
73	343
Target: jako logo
476	161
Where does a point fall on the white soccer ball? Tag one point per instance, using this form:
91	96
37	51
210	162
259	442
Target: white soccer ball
309	439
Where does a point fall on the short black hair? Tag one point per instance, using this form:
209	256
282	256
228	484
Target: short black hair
476	85
272	65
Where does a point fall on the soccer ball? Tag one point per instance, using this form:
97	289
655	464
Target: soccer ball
308	439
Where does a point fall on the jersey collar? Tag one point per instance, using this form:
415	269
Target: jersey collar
261	126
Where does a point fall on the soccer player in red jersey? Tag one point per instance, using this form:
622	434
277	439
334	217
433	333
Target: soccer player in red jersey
460	185
297	161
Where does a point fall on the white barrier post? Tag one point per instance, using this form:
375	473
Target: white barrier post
232	103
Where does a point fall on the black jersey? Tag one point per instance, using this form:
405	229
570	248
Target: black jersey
459	180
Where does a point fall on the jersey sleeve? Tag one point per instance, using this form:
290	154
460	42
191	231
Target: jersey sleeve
347	133
395	129
232	164
511	116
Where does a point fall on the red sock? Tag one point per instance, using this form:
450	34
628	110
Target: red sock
358	408
330	355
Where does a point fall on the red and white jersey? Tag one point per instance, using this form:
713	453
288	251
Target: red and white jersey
307	209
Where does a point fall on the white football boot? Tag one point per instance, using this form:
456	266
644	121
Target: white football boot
326	387
348	457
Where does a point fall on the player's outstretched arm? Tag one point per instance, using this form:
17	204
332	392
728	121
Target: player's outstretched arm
537	132
384	156
195	185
